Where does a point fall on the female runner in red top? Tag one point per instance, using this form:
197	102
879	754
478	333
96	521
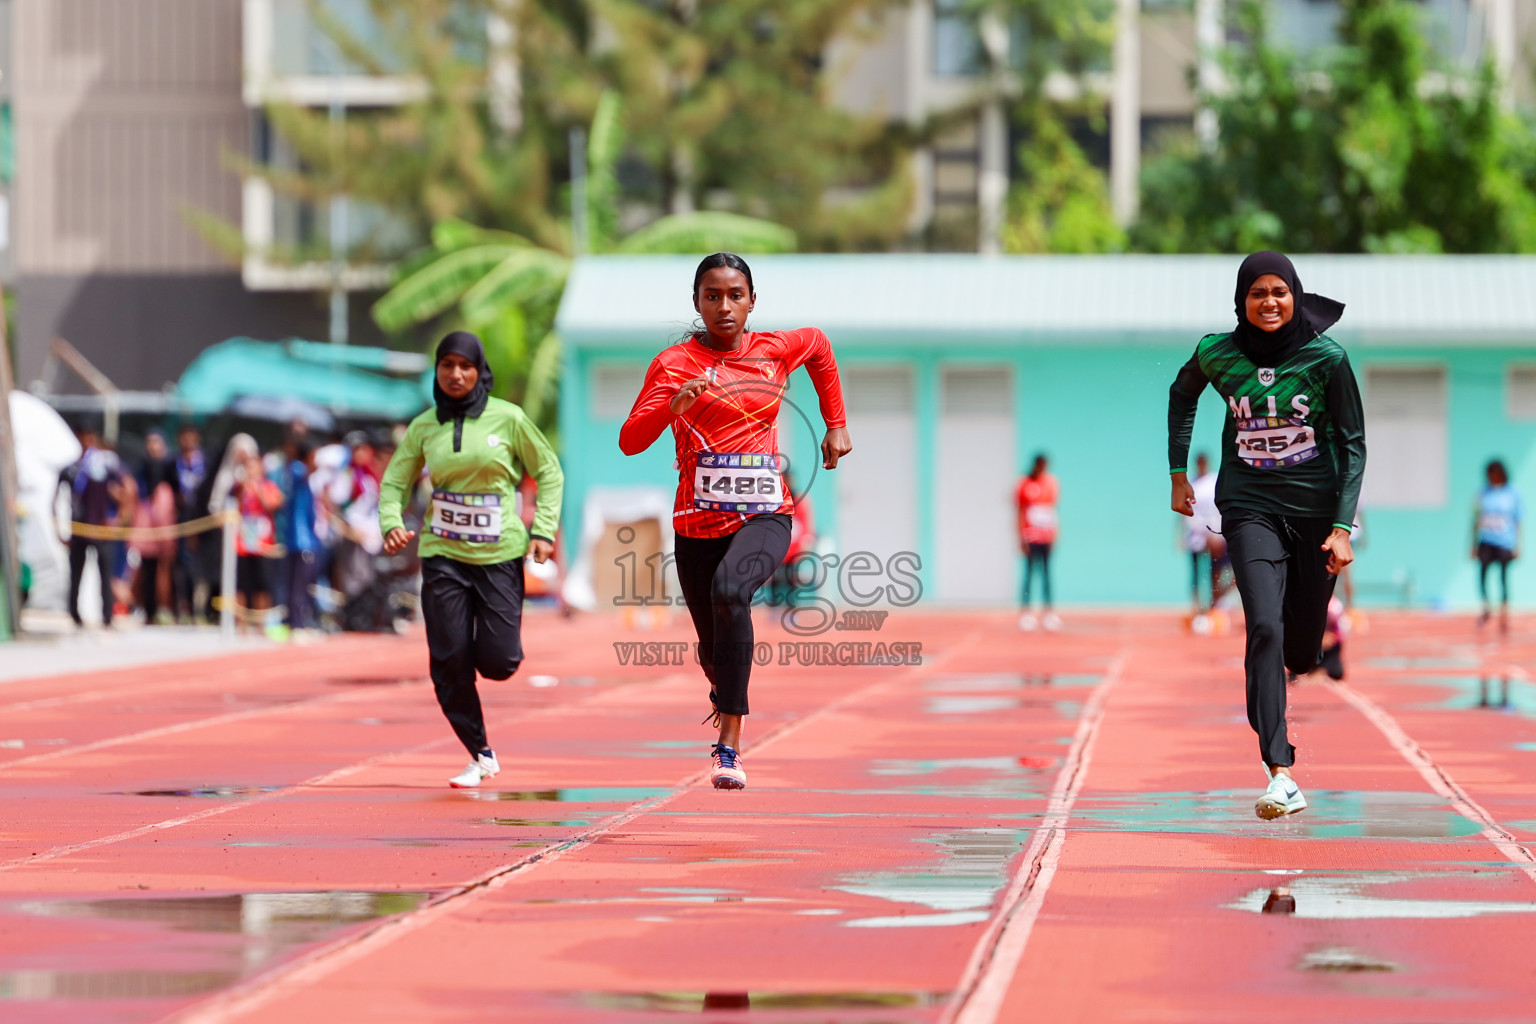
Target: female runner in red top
719	390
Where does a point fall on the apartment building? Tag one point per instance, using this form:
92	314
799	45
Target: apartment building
129	115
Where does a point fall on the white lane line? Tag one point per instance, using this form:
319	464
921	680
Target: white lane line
326	960
179	727
1438	778
211	812
318	780
984	985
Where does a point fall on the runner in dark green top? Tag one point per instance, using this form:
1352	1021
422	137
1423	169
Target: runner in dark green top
1292	458
476	449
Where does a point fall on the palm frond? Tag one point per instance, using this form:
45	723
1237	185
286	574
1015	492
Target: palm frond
709	231
451	234
437	286
603	148
543	377
521	277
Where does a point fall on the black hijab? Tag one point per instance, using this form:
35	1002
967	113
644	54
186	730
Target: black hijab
462	343
1313	314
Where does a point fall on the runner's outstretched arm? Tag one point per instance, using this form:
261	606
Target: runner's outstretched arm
651	413
400	478
1349	429
821	364
540	462
1183	400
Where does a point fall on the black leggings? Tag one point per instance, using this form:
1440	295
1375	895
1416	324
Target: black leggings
1037	557
474	616
719	576
1282	575
1490	555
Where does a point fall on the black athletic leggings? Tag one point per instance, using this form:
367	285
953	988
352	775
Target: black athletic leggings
474	616
1490	555
1282	575
719	575
1037	558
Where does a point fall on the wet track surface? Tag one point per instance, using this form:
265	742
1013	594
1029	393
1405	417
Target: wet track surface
1040	827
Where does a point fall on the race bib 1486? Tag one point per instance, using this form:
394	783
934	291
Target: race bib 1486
737	482
472	518
1269	442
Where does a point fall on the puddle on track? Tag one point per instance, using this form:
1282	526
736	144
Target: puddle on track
879	1005
150	953
204	792
1492	692
576	795
960	888
1348	898
1330	813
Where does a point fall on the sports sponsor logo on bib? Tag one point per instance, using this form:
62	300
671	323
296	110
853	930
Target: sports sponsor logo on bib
472	518
737	482
1269	442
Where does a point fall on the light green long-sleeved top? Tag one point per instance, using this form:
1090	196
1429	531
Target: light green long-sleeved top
496	449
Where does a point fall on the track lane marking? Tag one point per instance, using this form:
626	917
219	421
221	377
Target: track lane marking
325	960
310	783
1438	778
984	985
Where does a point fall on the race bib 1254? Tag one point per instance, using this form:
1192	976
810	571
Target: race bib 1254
1269	442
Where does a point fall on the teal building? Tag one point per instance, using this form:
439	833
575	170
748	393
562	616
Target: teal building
958	369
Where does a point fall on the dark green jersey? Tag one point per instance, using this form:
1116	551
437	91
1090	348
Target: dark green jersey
1294	441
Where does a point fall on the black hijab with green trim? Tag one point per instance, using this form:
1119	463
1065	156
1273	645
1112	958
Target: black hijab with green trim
1313	314
462	343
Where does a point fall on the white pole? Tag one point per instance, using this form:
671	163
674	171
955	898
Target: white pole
1504	44
1210	37
1125	114
227	578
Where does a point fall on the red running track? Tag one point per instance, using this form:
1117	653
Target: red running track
1040	827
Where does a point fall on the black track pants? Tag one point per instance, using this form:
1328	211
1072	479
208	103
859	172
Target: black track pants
719	575
474	616
1282	575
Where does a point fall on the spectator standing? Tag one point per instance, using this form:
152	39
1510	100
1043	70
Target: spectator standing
258	500
1496	528
1036	498
156	509
301	542
191	578
98	487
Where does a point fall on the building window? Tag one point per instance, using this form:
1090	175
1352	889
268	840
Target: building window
1522	392
956	39
1405	435
614	388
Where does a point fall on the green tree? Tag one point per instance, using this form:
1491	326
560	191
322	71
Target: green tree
1371	146
507	289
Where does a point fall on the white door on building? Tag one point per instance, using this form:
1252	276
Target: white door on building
975	536
877	485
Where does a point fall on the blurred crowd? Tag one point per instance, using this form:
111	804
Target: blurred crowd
308	550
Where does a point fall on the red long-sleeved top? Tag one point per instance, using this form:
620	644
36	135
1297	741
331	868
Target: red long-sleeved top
739	413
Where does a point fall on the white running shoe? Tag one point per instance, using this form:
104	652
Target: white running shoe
1051	622
1281	798
1028	623
478	770
726	771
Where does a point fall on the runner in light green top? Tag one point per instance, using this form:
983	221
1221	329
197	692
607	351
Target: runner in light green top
476	449
495	450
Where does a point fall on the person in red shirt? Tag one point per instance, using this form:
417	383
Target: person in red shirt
1036	499
720	390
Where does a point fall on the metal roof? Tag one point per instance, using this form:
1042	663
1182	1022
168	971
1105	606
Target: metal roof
926	299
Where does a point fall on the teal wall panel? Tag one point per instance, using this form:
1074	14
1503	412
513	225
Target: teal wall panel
1100	412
